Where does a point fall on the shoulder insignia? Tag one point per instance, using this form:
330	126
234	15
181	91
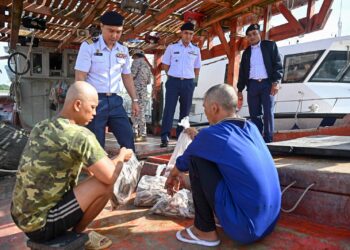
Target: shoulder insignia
91	40
194	44
121	43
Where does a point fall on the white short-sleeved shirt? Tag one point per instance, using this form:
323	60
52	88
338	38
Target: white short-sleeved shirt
182	60
103	65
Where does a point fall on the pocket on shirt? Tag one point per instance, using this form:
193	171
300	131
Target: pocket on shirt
98	64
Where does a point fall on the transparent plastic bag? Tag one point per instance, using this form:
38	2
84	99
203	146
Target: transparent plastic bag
182	143
150	189
180	205
127	181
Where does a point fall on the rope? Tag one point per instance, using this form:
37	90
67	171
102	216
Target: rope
8	171
299	200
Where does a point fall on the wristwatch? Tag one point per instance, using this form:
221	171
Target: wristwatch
135	100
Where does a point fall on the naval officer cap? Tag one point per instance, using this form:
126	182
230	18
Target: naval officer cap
112	18
187	26
251	27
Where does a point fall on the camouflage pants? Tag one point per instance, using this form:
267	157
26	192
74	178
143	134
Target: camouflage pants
139	121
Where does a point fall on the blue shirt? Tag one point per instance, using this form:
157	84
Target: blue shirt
248	199
104	66
182	60
257	65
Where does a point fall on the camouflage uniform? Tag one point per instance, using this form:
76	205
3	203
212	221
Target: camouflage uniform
142	76
49	167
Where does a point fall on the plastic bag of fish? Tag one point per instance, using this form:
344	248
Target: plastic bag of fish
149	190
180	205
127	181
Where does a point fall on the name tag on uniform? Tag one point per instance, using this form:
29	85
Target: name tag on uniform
192	53
98	53
177	52
121	55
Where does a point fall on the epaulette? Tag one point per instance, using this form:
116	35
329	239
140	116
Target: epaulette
91	40
121	43
195	44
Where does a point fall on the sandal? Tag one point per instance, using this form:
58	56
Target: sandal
97	241
195	239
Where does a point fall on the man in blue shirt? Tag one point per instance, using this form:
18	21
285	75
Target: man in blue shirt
232	175
182	62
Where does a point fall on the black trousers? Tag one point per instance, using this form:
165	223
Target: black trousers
204	177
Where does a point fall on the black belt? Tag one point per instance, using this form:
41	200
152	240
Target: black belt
181	78
259	80
107	94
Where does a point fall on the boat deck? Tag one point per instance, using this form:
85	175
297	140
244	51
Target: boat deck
130	227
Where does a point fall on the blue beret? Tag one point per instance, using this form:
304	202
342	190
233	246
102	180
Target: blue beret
251	27
187	26
112	18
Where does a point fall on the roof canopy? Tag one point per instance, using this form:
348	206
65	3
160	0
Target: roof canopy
68	21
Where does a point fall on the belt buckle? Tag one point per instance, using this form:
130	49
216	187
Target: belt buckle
260	80
108	94
181	78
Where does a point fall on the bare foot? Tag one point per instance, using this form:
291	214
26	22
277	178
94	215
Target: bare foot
207	236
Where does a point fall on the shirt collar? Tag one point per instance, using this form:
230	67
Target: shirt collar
181	43
103	45
257	45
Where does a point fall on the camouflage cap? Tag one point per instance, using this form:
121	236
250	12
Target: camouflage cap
138	52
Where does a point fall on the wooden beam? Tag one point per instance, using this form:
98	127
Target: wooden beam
16	13
88	18
172	7
322	15
293	22
219	32
223	15
310	14
219	3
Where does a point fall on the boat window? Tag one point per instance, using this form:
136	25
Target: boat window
346	77
298	66
37	63
332	68
55	64
71	62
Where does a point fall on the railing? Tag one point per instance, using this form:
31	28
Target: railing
299	113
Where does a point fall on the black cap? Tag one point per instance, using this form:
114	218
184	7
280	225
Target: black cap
188	26
112	18
251	27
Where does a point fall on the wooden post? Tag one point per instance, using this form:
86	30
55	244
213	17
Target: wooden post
267	18
16	14
234	58
157	93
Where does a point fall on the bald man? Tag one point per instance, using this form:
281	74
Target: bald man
47	200
232	175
